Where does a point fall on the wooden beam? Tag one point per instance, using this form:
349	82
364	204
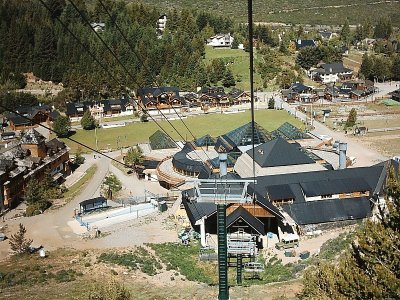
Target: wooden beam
256	210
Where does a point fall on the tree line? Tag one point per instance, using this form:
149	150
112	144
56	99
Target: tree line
32	39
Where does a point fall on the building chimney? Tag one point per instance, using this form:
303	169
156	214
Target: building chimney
342	155
223	165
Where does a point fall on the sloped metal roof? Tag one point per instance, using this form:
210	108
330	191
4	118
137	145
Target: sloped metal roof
241	213
279	152
196	211
279	192
335	186
331	210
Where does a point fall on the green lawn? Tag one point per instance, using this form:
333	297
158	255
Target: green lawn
213	124
240	66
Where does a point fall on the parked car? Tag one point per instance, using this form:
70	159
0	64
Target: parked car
288	241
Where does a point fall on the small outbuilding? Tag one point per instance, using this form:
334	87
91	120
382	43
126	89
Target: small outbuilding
92	204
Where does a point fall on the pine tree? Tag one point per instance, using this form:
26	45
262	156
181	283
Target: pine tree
371	268
87	121
61	126
383	29
367	66
18	242
345	33
396	67
271	103
33	192
352	118
229	79
134	156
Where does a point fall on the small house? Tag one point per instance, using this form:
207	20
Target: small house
220	40
91	204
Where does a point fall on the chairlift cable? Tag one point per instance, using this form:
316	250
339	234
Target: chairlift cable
144	66
68	138
128	73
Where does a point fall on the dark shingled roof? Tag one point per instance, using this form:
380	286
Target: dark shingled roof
335	186
371	175
280	192
334	68
241	213
73	107
331	210
305	43
279	152
182	161
322	183
196	211
18	120
299	88
55	145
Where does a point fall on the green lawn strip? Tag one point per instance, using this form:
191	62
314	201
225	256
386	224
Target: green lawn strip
185	260
135	133
77	187
240	65
138	259
31	270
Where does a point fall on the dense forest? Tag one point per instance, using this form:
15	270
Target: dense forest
32	38
54	39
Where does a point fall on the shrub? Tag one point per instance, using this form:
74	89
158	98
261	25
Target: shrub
109	291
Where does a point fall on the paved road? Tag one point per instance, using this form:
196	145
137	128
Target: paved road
364	155
51	229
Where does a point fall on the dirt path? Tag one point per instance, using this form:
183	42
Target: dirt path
53	228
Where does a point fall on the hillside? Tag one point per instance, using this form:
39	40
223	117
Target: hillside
294	11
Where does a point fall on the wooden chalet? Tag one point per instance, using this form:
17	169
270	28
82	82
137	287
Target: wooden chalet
76	109
151	98
32	116
214	97
237	96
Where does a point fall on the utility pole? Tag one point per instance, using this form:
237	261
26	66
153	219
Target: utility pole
95	135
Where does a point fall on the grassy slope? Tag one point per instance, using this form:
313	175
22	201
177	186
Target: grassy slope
240	65
310	11
199	125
